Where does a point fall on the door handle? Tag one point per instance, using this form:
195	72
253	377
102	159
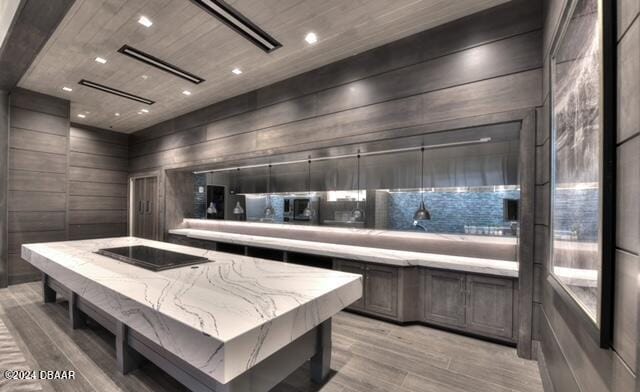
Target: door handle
140	207
148	209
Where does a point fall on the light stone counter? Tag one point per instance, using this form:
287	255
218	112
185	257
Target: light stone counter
360	253
222	317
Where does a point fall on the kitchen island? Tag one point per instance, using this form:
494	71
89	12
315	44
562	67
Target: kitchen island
233	323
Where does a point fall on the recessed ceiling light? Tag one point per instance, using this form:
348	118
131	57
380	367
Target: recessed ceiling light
101	60
146	22
237	71
140	113
81	115
186	92
117	114
145	77
144	110
311	38
67	88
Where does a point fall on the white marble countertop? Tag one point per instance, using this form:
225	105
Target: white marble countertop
361	253
222	317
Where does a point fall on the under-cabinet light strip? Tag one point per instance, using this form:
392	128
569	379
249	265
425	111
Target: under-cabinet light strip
156	62
114	91
234	19
362	154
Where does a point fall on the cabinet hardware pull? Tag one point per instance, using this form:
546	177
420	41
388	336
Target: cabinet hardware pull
148	211
140	207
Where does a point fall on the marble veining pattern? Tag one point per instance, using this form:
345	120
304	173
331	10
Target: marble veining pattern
361	253
223	317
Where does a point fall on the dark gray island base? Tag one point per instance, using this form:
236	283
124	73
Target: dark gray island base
133	348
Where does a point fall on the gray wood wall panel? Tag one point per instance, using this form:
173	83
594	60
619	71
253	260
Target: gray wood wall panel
98	167
97	175
37	221
629	83
37	141
97	189
41	122
96	147
21	180
37	172
38	161
4	182
574	359
501	94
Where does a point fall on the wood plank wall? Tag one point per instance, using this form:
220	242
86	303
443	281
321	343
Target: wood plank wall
98	169
37	194
574	361
4	163
486	63
64	181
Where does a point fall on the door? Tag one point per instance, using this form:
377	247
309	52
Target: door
145	215
381	290
354	268
444	297
490	305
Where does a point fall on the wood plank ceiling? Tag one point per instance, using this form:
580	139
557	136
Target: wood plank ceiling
185	35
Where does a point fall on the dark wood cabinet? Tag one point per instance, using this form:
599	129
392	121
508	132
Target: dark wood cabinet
490	305
145	215
444	297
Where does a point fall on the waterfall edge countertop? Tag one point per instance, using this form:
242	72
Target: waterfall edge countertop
223	317
361	253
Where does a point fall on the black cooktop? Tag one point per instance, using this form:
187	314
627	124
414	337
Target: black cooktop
153	259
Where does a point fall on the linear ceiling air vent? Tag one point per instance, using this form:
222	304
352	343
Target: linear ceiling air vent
114	91
160	64
234	19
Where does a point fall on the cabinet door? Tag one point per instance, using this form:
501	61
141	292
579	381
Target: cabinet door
138	205
150	197
354	268
444	299
490	305
381	290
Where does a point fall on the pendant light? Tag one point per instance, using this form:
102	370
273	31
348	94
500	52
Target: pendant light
268	210
422	213
308	212
358	213
212	210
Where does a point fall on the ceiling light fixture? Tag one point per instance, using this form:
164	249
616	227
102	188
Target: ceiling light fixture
67	88
160	64
81	115
311	38
237	71
146	22
145	77
144	110
117	114
238	22
114	91
100	60
186	92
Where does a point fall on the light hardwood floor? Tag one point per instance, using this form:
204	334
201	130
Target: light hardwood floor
368	356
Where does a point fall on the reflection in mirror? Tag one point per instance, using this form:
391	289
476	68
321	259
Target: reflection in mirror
468	187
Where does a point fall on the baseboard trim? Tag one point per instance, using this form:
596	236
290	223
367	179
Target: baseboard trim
538	354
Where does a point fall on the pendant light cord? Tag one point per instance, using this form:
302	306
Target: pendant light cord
309	178
358	182
422	175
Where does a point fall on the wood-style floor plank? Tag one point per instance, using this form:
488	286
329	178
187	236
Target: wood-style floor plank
368	355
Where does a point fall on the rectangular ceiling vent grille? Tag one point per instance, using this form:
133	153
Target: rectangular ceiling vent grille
241	24
114	91
160	64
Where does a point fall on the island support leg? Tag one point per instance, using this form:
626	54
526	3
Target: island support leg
48	293
75	315
321	361
128	358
